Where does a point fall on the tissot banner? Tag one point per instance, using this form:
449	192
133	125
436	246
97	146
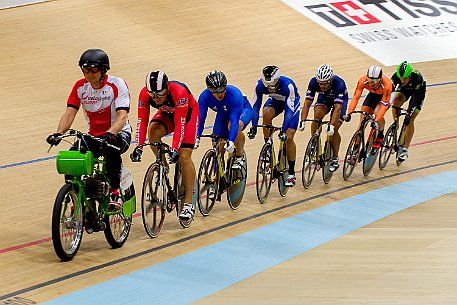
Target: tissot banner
389	30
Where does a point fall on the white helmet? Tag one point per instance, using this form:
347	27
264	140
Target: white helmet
324	73
374	72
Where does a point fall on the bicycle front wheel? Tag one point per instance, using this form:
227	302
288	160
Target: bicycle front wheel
387	147
67	223
264	175
283	171
352	155
117	225
370	153
207	183
153	201
310	161
328	153
237	178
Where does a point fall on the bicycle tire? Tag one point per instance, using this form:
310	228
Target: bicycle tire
153	201
67	223
326	156
207	181
387	147
117	225
352	155
237	185
310	161
283	167
264	175
370	154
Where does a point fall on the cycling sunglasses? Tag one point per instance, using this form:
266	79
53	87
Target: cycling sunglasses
159	93
90	70
217	90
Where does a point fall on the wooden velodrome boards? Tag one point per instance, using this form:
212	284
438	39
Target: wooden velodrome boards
40	48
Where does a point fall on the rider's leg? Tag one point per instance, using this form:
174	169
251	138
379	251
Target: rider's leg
188	172
409	130
268	114
157	130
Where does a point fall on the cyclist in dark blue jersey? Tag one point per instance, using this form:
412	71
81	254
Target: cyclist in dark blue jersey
233	113
283	96
332	96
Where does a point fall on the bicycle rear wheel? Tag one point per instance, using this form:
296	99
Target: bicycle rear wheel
67	223
153	201
264	175
283	171
352	155
387	147
370	153
237	178
207	183
310	161
328	153
117	225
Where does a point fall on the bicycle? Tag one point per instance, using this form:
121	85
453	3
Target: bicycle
215	177
158	196
75	207
392	143
361	150
317	157
268	168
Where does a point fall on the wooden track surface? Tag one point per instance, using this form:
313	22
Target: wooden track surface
41	45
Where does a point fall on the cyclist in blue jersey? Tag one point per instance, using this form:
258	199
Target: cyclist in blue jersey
332	95
283	96
233	113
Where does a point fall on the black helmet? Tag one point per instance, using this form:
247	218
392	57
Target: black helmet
270	76
156	81
94	58
216	81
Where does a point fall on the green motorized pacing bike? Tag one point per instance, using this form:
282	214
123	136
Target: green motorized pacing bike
82	201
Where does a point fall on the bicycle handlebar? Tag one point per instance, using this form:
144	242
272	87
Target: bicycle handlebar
164	146
317	121
268	126
78	134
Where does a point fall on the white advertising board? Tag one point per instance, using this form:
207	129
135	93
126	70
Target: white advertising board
389	30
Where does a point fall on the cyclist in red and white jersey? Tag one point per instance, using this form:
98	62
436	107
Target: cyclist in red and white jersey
178	113
105	100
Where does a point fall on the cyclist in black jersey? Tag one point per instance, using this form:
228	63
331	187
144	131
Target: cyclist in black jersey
408	83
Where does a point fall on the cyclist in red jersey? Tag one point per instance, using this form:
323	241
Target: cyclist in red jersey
178	113
105	100
377	100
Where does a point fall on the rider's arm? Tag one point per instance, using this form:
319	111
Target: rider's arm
310	93
292	108
143	117
122	106
257	103
181	109
202	105
67	119
385	100
235	113
357	94
119	122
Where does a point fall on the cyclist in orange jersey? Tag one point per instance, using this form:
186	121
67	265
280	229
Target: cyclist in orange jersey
377	100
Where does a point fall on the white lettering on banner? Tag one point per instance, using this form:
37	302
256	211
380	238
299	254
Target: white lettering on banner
389	30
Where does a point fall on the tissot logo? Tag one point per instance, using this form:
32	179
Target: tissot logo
351	13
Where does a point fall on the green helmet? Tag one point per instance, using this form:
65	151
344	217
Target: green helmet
404	69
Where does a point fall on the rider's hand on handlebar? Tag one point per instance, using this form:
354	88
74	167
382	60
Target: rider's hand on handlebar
197	143
347	117
331	130
252	132
230	147
374	125
135	156
109	137
301	125
173	156
54	139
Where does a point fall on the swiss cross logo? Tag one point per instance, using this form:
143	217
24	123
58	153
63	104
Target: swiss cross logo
355	12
